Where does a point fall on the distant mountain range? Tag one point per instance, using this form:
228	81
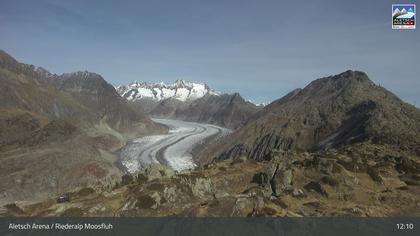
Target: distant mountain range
180	90
189	101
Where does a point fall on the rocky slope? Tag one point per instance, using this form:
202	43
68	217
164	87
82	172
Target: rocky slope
331	112
293	184
59	132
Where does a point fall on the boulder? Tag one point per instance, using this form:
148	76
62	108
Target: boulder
279	175
281	182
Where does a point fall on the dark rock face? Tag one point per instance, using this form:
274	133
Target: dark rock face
331	112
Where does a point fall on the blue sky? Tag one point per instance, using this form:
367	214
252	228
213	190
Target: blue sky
262	49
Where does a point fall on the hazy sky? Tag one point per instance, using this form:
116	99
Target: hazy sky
262	49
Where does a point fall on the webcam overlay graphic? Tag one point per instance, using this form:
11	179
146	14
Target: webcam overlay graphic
403	16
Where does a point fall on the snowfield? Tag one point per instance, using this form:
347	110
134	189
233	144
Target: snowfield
172	149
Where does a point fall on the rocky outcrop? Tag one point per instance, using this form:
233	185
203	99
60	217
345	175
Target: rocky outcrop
278	175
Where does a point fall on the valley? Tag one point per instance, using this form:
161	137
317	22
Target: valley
340	146
173	149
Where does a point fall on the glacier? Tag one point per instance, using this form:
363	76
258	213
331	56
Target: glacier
173	149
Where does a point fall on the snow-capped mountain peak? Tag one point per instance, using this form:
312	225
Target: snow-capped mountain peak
181	90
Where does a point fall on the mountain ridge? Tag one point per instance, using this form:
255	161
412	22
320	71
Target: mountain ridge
60	130
330	112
